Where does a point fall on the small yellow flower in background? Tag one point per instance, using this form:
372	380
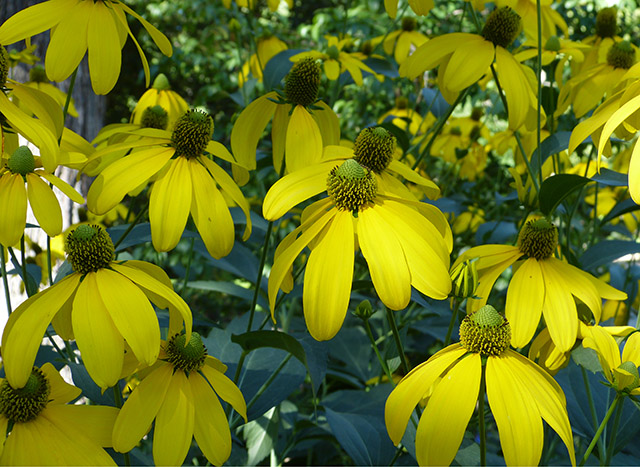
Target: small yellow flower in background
181	393
78	26
620	370
302	125
419	7
101	304
185	180
541	285
38	80
19	171
25	55
468	221
606	34
399	43
268	47
160	93
408	119
520	394
43	429
251	4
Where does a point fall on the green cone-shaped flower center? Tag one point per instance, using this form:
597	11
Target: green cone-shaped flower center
154	117
538	239
485	332
38	75
409	24
553	44
464	279
192	133
4	66
374	148
502	26
302	83
89	248
607	22
621	55
631	368
161	83
351	186
25	404
189	357
22	161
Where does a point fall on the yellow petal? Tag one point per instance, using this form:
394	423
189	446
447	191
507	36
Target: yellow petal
279	135
634	173
42	105
4	424
61	391
469	63
487	278
606	347
210	213
26	326
248	128
218	150
160	39
174	423
132	314
631	352
94	422
13	208
104	49
525	298
210	428
516	87
579	286
34	20
226	389
431	189
98	339
139	410
443	424
328	277
328	123
616	119
44	205
303	146
432	52
332	69
559	309
392	8
169	205
63	186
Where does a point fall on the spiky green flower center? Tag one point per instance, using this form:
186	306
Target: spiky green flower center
4	65
553	44
538	239
161	83
607	22
186	356
89	248
374	148
302	83
38	75
192	133
25	404
502	26
621	55
351	186
22	161
409	24
464	279
485	332
155	117
632	369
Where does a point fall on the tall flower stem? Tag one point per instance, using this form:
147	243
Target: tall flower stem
456	308
592	408
23	262
396	337
5	282
539	79
188	268
383	364
481	425
263	260
611	448
130	227
600	429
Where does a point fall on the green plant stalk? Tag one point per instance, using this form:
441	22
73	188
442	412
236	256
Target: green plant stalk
130	228
396	338
456	308
614	433
188	268
263	260
592	408
397	454
117	395
23	264
383	364
481	424
539	80
5	282
600	429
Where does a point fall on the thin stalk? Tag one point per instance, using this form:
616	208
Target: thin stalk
397	454
481	424
592	408
614	433
188	269
263	259
456	308
383	364
539	72
49	265
130	228
600	429
117	396
23	263
5	282
67	102
396	337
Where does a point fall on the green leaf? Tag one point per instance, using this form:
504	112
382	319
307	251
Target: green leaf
611	178
554	144
277	68
260	436
229	289
586	358
556	188
623	207
607	251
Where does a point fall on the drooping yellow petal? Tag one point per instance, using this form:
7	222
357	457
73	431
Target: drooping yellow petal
469	63
421	7
63	186
559	309
391	6
160	39
525	298
487	279
606	347
328	277
26	326
44	205
98	339
279	135
431	53
104	49
34	20
579	285
328	123
516	414
218	150
303	145
248	128
634	174
210	212
4	423
210	428
13	208
226	389
41	105
332	69
95	422
132	314
61	391
489	255
443	424
169	205
516	87
174	423
139	410
631	352
431	189
616	119
412	388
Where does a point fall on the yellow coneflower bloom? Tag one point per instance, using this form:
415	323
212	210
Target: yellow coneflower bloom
101	304
542	285
160	93
520	394
551	20
268	47
180	392
42	428
408	119
400	42
78	26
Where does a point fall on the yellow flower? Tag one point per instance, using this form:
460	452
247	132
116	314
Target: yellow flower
38	80
186	181
251	4
520	395
408	119
181	393
268	47
101	304
551	20
81	25
620	370
468	221
20	171
400	42
541	284
399	239
160	93
43	429
419	7
465	58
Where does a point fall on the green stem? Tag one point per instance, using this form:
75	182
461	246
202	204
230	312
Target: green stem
611	448
23	263
397	454
130	228
600	429
456	308
67	102
5	282
263	260
117	396
396	337
49	265
592	408
188	269
481	424
383	364
539	106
